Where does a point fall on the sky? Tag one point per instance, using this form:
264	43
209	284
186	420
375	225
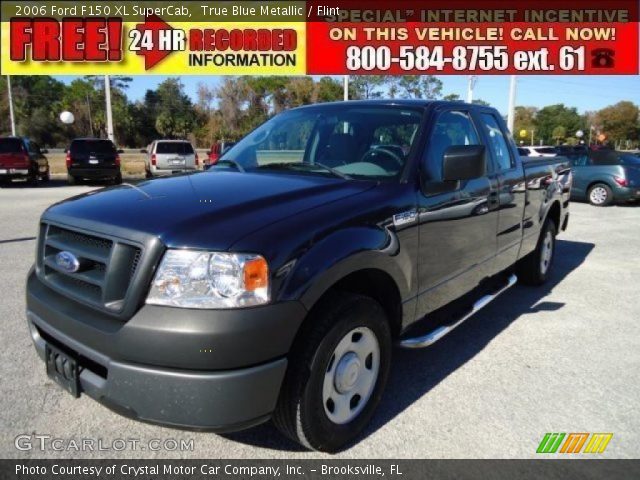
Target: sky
586	93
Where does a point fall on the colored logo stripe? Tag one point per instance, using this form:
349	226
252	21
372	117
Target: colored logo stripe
574	442
550	443
598	442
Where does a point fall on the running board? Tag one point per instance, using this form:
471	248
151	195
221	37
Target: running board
435	335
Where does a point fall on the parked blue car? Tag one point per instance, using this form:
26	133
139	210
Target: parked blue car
604	177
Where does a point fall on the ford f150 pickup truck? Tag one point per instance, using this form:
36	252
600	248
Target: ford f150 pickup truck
275	284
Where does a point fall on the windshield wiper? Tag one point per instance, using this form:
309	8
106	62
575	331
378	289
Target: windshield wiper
233	163
310	166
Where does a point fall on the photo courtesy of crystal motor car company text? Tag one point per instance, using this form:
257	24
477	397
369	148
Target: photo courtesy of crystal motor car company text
297	231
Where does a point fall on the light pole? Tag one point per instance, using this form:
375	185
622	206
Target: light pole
512	103
11	116
345	87
107	94
471	84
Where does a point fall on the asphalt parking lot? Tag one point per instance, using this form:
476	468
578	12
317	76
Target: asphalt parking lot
561	358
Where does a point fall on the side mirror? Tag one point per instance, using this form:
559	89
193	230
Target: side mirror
44	150
463	162
120	151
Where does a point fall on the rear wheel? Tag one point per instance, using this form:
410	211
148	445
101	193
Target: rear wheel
534	269
117	179
71	180
338	368
33	178
600	195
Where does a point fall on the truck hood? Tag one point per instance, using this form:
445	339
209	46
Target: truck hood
209	210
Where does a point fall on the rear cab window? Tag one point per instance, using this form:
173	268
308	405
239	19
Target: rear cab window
11	145
87	147
498	143
174	148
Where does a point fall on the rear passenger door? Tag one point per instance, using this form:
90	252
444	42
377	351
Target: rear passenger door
508	174
457	220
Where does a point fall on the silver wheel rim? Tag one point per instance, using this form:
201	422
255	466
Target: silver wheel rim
547	253
351	375
598	195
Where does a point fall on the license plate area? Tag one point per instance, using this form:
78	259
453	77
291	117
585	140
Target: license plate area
63	369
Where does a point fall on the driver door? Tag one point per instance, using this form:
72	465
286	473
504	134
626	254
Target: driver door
458	221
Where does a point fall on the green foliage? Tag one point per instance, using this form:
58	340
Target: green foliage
553	116
235	105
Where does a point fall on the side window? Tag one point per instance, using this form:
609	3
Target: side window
497	142
581	160
452	128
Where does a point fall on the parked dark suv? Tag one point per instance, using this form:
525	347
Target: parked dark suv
93	159
22	158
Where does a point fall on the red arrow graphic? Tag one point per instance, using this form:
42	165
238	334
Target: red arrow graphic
153	55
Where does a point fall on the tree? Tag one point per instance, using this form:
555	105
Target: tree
452	97
559	134
479	101
419	86
364	87
329	90
176	114
525	119
620	122
552	116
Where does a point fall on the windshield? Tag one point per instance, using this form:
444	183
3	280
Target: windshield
343	140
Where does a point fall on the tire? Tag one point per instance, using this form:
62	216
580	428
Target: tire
117	180
46	177
71	180
534	269
600	195
339	332
33	179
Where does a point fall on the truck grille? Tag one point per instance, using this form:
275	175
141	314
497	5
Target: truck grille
106	271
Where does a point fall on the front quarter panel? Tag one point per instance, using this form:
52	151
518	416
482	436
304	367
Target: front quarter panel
311	251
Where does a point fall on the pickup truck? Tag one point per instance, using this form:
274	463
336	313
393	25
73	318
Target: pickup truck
275	284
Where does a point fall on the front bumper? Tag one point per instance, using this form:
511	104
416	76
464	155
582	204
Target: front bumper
215	370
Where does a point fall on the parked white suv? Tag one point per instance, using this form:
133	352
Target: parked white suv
165	157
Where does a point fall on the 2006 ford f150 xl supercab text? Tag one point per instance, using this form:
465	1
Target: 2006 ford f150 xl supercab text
275	284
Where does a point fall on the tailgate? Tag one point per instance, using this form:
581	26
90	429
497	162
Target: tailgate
14	160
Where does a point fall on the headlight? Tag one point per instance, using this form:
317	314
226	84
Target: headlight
193	279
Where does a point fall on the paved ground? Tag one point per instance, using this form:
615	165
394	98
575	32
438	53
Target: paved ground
562	358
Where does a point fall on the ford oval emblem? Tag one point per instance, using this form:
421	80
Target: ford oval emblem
67	262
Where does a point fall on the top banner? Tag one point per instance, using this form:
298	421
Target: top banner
293	38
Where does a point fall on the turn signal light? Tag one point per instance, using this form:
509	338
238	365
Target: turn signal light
256	274
117	160
68	160
197	160
623	182
153	159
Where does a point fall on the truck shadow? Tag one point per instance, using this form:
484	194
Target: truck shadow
415	372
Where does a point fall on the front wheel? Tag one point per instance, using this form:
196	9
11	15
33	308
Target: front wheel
600	195
534	268
338	369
